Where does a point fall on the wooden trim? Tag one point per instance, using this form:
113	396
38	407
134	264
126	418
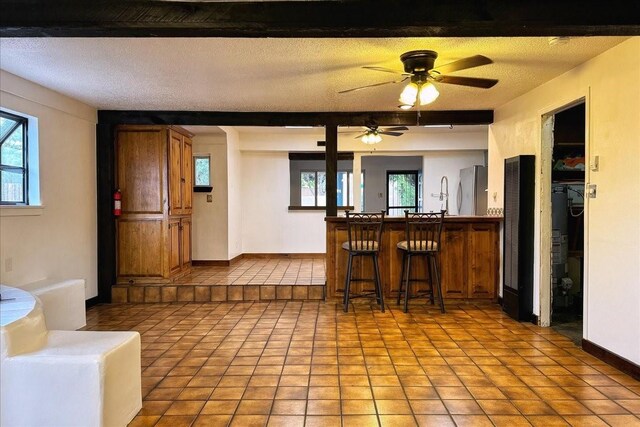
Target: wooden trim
318	18
91	302
318	155
331	168
612	359
231	118
202	189
216	263
283	256
210	263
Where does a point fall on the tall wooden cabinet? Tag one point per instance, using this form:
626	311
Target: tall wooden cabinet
154	172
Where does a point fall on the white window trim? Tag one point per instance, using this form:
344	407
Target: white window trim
35	206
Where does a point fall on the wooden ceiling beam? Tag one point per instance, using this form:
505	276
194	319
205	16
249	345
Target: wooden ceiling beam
318	18
217	118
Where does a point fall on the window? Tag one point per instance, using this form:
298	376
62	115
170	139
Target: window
402	192
202	174
14	173
308	181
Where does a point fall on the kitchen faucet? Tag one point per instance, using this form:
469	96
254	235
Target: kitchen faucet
444	195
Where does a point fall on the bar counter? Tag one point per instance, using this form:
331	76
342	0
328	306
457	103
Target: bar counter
469	258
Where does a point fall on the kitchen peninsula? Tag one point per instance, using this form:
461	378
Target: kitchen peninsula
469	259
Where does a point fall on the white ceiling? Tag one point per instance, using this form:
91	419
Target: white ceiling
267	74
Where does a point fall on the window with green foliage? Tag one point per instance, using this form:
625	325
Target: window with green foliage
402	192
13	159
202	171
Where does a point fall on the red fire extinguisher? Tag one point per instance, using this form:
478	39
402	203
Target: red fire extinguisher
117	203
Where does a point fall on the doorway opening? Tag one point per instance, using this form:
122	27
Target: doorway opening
567	196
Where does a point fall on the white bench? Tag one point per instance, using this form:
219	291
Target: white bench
64	378
63	302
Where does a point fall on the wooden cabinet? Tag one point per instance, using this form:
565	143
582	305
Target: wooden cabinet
154	172
469	260
180	173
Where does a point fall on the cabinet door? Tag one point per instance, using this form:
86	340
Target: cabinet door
140	248
175	173
185	234
453	256
187	176
174	246
483	261
140	171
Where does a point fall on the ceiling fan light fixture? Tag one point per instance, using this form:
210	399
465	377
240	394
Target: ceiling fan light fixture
428	94
371	137
409	94
405	106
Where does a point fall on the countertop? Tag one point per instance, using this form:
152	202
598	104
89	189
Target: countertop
448	219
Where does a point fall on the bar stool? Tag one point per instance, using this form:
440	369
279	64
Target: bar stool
422	238
365	233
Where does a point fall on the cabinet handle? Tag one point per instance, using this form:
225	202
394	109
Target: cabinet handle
183	180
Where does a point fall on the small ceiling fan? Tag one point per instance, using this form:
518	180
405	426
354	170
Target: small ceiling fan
372	134
420	71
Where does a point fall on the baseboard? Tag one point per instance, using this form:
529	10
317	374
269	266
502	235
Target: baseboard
612	359
209	263
283	256
534	319
91	302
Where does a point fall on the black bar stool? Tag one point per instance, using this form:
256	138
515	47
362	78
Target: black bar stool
422	238
365	234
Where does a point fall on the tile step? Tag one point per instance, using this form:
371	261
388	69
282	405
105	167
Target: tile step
216	293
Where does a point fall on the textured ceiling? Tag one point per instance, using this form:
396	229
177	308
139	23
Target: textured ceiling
226	74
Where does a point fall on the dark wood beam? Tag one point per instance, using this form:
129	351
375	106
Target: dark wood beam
331	159
105	168
222	118
318	18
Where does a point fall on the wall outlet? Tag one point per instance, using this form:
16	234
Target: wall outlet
8	265
591	191
209	198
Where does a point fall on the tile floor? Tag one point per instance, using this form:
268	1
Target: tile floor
307	363
251	279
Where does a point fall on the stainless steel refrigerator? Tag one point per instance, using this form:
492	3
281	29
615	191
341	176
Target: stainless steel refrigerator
472	191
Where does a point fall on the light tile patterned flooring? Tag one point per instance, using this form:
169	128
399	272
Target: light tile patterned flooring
307	363
256	271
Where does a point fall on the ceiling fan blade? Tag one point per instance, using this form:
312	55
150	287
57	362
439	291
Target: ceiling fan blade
373	85
463	64
387	70
467	81
384	132
360	136
396	128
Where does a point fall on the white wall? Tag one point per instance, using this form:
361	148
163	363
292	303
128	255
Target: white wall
209	234
612	300
236	200
446	163
267	224
60	241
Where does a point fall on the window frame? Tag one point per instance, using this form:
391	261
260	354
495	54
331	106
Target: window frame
416	207
24	122
315	205
201	188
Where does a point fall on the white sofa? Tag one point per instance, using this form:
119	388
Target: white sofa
64	378
63	302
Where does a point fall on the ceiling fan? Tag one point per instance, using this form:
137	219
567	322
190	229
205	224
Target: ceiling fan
420	71
372	134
